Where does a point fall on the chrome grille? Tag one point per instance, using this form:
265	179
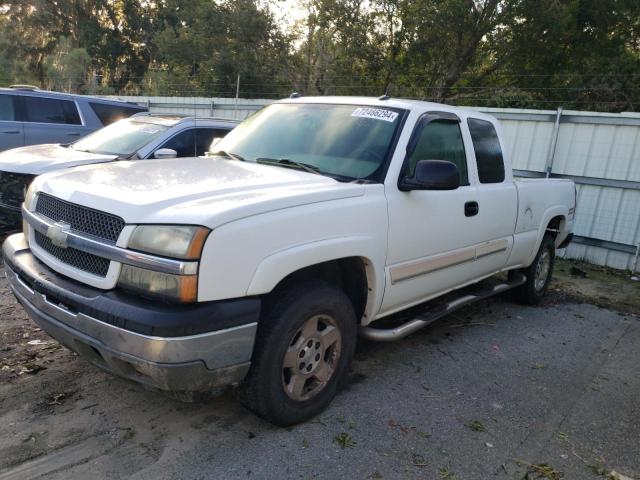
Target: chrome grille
81	260
81	219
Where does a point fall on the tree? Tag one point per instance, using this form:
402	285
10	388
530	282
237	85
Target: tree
519	53
204	46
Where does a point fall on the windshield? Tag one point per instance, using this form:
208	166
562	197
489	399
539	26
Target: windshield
347	141
121	138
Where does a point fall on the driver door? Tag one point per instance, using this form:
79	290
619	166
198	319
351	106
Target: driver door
432	233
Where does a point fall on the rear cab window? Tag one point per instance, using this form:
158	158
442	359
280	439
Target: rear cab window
488	151
108	114
50	110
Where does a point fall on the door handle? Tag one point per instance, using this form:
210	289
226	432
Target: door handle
471	209
73	134
11	132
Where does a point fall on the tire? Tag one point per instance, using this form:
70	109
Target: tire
305	343
538	276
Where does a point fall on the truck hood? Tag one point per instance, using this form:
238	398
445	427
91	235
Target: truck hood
200	191
39	159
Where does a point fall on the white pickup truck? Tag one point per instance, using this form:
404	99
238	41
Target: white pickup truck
318	218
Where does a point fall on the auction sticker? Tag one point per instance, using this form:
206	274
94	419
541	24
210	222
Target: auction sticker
375	113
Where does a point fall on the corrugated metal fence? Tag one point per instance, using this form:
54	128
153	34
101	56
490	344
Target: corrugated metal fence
237	109
599	151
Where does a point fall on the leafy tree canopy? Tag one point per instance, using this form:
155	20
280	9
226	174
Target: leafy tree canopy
581	54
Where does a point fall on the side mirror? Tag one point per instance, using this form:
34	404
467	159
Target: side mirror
165	153
432	175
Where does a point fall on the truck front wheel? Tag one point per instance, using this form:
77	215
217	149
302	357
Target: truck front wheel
538	273
304	345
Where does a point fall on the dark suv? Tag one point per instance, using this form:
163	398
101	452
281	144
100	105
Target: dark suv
29	116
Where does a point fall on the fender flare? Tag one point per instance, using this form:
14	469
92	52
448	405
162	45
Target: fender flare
556	211
277	266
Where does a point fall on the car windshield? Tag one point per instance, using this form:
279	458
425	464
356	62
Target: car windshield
121	138
348	142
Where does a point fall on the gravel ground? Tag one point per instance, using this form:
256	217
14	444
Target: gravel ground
495	391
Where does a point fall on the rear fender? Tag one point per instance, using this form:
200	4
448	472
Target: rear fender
557	211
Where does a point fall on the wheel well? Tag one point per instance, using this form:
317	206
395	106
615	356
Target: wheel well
555	225
349	274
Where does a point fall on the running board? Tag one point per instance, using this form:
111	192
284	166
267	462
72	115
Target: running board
440	310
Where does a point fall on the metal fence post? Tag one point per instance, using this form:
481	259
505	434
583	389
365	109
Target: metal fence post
554	141
237	95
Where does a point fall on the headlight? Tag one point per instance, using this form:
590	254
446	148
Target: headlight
184	242
175	241
181	288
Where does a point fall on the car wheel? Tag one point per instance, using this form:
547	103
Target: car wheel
304	346
538	274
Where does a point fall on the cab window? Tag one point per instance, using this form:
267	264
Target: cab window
441	140
488	152
50	110
193	142
109	114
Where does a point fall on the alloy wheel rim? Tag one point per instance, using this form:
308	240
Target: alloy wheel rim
542	270
311	357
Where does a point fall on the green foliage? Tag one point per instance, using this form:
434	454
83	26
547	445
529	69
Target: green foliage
345	440
582	54
476	426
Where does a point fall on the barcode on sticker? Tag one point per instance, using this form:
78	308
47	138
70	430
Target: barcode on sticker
376	113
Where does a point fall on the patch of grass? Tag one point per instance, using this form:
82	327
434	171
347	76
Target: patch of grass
446	474
541	471
604	287
345	440
538	366
305	443
418	460
476	426
598	469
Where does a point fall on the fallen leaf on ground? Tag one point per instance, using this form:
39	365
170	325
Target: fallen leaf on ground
476	426
32	368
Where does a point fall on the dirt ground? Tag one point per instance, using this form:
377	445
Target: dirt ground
497	390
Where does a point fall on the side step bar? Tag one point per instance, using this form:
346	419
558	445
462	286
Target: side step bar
440	310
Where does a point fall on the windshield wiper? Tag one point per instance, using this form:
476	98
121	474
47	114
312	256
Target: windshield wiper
290	163
233	156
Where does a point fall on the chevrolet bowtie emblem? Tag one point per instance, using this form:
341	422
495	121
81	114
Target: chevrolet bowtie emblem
57	233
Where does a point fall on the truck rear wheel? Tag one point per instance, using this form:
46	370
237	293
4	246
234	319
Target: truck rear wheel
304	346
538	273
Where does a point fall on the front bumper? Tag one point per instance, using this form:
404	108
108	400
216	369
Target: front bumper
137	339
